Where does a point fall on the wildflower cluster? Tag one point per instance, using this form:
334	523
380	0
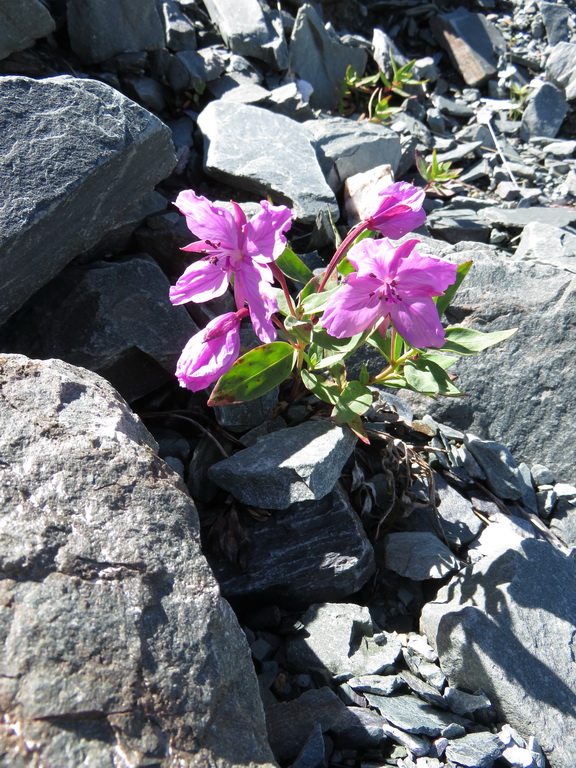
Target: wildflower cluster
386	294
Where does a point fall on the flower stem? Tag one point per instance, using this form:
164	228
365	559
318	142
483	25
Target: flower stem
393	367
279	275
341	250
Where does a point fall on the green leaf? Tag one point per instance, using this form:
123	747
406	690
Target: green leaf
323	389
358	428
310	288
254	374
380	343
444	361
316	302
293	267
442	302
426	376
364	376
355	400
330	350
299	328
465	341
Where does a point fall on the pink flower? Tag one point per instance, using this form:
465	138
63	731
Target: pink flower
237	249
210	353
391	283
400	210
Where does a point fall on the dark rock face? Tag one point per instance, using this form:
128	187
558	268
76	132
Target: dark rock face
116	641
113	318
497	625
99	30
91	154
21	22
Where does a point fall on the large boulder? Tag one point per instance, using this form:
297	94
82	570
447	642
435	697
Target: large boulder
77	155
521	391
506	625
117	645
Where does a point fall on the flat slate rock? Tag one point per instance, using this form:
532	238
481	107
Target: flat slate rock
91	152
561	68
115	638
250	28
100	29
506	625
340	638
475	750
21	23
545	111
347	147
265	153
548	245
518	218
413	715
311	552
418	555
299	463
114	318
321	58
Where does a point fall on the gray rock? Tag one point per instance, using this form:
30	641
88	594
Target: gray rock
555	17
346	147
321	58
360	728
544	112
115	638
179	31
548	245
255	149
458	225
524	478
542	475
190	70
475	750
291	723
506	625
472	41
114	318
100	29
459	523
546	499
105	154
418	555
21	23
296	464
498	464
241	417
530	415
250	28
413	715
313	753
462	703
313	551
563	521
340	638
518	218
289	100
561	68
383	685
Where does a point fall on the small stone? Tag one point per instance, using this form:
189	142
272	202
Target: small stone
476	750
296	464
542	475
544	113
418	555
498	464
561	68
462	703
413	715
383	685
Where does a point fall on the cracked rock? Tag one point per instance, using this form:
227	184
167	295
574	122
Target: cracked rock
115	637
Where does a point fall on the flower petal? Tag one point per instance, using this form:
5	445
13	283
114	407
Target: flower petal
209	353
399	211
353	308
417	321
201	281
207	221
250	287
265	240
419	275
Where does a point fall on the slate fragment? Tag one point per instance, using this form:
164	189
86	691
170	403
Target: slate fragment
255	149
21	23
105	154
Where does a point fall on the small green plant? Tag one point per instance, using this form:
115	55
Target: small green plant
519	95
373	93
438	176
